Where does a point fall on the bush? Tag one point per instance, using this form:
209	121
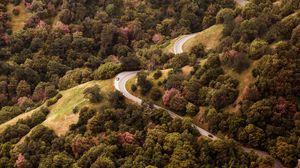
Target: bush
50	91
178	103
9	112
133	87
142	81
191	109
155	94
75	110
235	60
159	83
107	71
157	74
93	94
75	77
53	100
199	51
16	11
258	48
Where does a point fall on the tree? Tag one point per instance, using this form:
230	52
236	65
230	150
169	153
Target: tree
225	15
117	99
93	94
175	81
236	60
191	109
223	97
191	89
157	74
155	94
256	136
126	137
106	71
62	160
178	103
142	81
79	145
103	162
179	61
21	161
258	48
23	89
198	50
286	152
169	94
130	63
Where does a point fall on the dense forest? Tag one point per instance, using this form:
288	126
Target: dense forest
65	43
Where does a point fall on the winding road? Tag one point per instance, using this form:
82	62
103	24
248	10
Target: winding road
120	85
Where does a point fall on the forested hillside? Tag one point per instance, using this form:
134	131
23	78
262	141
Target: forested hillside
240	81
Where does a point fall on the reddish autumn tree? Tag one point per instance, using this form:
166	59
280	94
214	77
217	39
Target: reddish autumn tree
169	94
251	93
20	162
79	145
157	38
126	137
61	26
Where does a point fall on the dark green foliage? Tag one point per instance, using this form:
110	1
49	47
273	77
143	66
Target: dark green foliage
157	74
53	100
237	61
130	63
7	113
84	117
199	51
106	71
143	82
191	109
174	81
93	94
155	94
23	126
133	87
117	99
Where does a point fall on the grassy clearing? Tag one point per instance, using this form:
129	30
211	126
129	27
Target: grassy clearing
210	38
18	22
245	78
61	114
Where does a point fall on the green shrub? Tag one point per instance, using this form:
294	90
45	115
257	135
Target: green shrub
53	100
93	94
258	48
107	70
157	74
191	109
133	87
155	94
9	112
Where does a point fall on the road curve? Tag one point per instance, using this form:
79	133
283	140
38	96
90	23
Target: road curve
120	85
177	49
